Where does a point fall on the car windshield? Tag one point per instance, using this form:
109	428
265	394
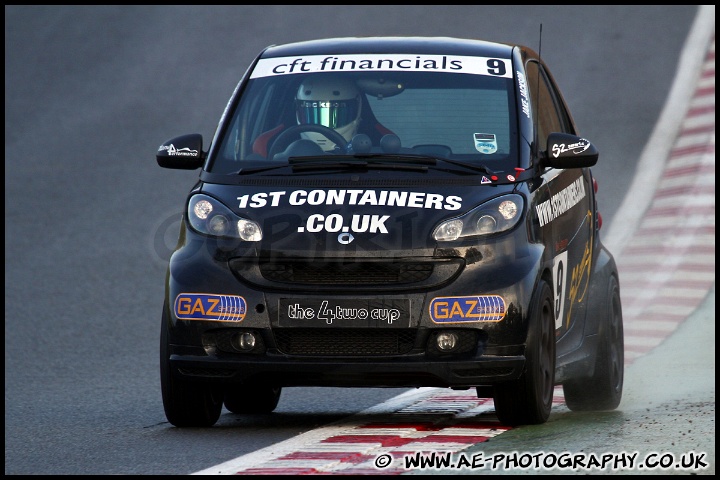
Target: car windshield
456	116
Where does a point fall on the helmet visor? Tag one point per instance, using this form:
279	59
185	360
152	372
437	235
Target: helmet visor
329	113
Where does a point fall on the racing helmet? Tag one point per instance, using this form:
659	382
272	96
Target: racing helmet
329	101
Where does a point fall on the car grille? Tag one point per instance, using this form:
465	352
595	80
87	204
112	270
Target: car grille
357	273
348	342
340	274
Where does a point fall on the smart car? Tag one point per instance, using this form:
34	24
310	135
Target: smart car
391	212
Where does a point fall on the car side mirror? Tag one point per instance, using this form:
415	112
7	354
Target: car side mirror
569	151
184	152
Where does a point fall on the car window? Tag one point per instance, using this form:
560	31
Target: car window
447	116
459	116
548	113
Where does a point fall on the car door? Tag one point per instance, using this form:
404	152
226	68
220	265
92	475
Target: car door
564	213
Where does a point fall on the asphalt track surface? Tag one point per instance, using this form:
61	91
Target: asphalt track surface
90	218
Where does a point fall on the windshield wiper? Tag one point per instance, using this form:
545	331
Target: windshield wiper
336	162
469	166
376	161
303	165
422	159
377	158
250	170
309	163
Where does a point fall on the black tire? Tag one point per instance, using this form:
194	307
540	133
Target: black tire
252	399
187	404
603	391
528	400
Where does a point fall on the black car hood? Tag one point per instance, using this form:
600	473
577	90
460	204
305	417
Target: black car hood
352	216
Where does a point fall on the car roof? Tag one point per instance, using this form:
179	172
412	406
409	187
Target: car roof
424	45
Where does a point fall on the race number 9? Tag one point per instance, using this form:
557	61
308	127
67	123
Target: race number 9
559	278
496	67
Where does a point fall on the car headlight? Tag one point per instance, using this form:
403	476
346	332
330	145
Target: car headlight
210	217
497	215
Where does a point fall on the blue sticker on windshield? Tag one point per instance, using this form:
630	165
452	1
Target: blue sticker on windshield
485	142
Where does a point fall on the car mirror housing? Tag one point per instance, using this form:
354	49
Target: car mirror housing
184	152
569	151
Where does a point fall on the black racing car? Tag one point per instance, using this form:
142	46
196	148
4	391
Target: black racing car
391	212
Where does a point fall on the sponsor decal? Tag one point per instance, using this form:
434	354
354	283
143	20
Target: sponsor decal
295	312
477	308
575	148
485	180
511	178
579	281
182	152
485	142
561	202
336	223
210	307
522	86
380	198
495	67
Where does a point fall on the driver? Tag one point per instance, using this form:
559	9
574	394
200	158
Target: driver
331	102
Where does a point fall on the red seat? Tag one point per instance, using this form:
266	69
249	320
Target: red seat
260	145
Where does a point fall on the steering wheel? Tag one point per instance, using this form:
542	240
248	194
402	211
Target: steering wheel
284	139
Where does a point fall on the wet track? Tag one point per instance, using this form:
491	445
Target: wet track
90	219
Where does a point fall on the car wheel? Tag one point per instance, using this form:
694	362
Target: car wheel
528	400
252	399
187	404
603	390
